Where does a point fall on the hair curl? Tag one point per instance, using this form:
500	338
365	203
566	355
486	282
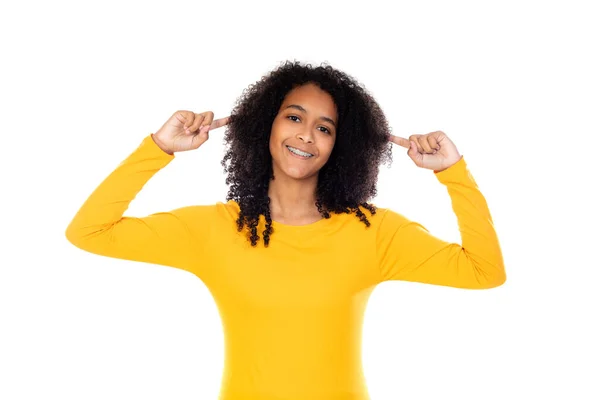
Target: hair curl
349	177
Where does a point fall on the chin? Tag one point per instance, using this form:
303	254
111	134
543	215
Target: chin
298	175
295	168
295	172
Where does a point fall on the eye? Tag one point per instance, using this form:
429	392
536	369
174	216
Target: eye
294	116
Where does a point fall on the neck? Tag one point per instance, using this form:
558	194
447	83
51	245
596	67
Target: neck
293	200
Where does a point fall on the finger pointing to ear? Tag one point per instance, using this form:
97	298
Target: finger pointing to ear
219	123
400	141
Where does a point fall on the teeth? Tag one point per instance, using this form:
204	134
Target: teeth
299	152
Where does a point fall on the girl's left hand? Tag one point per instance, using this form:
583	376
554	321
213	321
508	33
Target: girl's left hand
434	151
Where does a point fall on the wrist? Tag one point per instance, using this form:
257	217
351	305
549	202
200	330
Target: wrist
161	145
452	164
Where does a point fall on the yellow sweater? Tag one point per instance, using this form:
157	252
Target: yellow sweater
292	313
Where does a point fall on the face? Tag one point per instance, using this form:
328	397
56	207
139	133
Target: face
303	132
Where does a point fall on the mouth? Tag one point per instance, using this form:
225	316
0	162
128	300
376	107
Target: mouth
299	153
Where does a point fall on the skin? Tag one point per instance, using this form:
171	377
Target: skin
434	151
292	192
312	129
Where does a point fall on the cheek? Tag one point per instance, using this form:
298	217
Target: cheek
275	137
327	148
274	144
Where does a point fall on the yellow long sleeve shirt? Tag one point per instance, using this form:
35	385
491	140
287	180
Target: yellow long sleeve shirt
292	313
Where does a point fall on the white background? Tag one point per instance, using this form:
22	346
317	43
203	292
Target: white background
514	84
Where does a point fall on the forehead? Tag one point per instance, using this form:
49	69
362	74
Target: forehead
311	97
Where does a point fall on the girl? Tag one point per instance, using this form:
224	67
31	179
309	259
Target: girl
303	149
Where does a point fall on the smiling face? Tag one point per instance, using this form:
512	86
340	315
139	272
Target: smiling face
303	132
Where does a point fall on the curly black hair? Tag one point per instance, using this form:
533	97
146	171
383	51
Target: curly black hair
349	177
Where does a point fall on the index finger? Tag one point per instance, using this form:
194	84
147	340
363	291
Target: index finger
400	141
217	123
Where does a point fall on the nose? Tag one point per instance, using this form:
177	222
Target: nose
306	136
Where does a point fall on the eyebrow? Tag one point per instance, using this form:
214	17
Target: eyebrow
296	106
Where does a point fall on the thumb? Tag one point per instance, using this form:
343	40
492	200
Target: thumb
201	137
414	154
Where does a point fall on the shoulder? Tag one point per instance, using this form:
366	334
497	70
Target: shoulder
385	218
208	212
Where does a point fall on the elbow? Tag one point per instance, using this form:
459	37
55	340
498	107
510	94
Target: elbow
90	239
496	281
71	235
501	277
488	272
491	279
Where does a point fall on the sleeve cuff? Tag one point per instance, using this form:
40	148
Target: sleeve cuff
149	146
458	172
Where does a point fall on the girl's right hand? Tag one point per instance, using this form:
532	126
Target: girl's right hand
186	131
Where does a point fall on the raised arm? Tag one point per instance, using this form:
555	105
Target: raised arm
407	251
165	238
